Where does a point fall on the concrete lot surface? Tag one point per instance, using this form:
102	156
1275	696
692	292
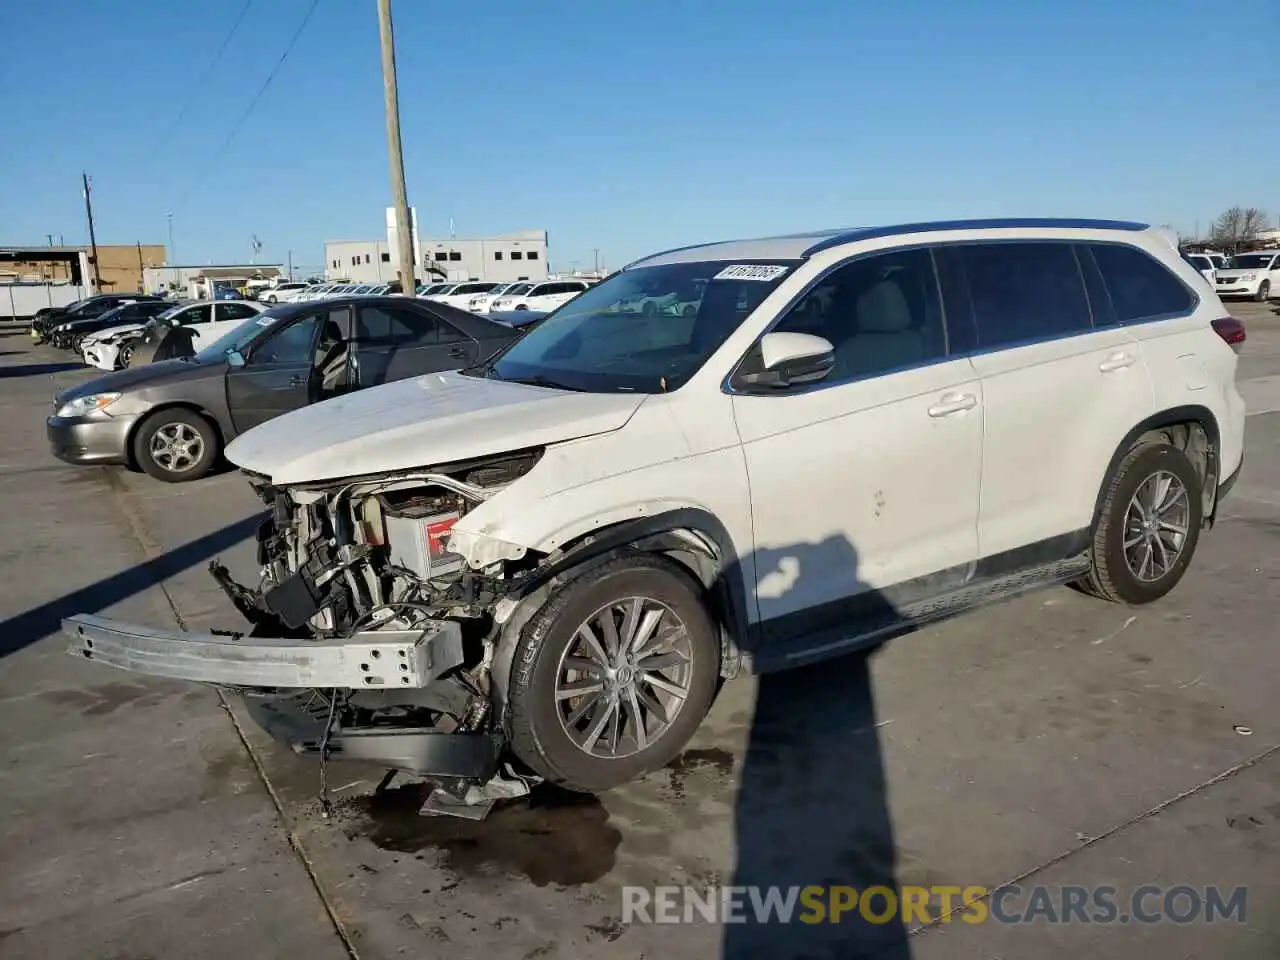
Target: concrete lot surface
1054	740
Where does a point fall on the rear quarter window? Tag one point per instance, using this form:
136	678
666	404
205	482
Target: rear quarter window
1022	292
1140	286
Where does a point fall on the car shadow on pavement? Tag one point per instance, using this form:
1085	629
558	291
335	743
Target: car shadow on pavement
21	631
812	810
37	369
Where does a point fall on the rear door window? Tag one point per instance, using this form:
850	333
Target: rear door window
1140	286
1024	292
383	326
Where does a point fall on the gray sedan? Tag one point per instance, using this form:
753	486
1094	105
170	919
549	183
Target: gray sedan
173	418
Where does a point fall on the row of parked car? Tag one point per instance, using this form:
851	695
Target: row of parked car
1255	275
475	296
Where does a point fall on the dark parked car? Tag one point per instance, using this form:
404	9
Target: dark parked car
172	418
81	310
72	330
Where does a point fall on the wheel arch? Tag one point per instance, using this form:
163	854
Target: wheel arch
692	537
1191	428
172	405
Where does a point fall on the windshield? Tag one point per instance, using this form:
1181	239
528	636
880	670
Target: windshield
1252	261
236	339
517	290
602	341
473	288
1201	263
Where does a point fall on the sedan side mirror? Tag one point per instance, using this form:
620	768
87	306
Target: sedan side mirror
235	358
788	359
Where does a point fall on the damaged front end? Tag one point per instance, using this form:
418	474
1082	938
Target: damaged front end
371	640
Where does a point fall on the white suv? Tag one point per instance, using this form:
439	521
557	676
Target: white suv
1254	275
556	555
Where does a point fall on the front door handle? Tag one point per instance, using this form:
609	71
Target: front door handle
459	352
952	403
297	380
1117	361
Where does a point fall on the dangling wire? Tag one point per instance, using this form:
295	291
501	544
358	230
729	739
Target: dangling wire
325	808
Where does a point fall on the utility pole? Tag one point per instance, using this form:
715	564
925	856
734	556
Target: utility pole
50	236
408	285
290	266
93	240
142	270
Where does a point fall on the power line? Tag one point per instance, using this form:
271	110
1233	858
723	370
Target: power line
235	128
208	71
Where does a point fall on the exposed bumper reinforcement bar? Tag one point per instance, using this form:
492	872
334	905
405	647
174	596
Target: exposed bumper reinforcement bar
373	660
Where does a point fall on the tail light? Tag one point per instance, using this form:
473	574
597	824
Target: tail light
1231	331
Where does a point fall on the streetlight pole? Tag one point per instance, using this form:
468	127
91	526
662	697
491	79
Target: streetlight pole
408	285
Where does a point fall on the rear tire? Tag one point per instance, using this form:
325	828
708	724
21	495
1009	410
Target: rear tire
176	445
553	657
1148	526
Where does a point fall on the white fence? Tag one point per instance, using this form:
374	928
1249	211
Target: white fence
22	299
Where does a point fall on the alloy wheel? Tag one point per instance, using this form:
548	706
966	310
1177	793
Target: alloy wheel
624	677
1156	525
177	447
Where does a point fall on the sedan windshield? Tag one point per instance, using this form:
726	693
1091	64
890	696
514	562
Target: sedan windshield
1252	261
603	341
237	339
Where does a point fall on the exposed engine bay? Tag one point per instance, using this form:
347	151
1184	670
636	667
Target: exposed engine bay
366	555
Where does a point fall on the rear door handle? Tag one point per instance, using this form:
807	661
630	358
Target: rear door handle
951	403
1117	361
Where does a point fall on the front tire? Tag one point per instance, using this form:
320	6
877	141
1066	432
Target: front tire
1264	292
613	675
1148	527
124	356
176	445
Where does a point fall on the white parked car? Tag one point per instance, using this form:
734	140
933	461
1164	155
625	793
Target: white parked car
283	292
545	296
112	349
481	302
857	433
436	290
1254	275
1205	265
462	295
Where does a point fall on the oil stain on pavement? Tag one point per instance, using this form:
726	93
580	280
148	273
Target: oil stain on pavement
551	837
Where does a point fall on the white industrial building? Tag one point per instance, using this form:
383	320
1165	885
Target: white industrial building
507	257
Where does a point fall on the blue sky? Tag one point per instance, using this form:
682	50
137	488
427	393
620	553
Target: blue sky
629	126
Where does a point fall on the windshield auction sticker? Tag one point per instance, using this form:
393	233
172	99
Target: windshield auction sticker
751	271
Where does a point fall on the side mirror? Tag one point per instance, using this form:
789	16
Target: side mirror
788	359
235	358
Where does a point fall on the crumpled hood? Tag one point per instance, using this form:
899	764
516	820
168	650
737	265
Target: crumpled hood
432	419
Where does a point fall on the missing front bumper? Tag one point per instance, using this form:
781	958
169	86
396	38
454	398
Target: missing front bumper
414	750
373	660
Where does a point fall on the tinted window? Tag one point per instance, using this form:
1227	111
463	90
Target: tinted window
1024	291
236	311
880	313
1139	285
384	325
196	315
293	344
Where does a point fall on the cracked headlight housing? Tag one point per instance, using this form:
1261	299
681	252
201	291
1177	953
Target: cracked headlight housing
83	406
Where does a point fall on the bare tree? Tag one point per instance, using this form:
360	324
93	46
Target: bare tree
1238	225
